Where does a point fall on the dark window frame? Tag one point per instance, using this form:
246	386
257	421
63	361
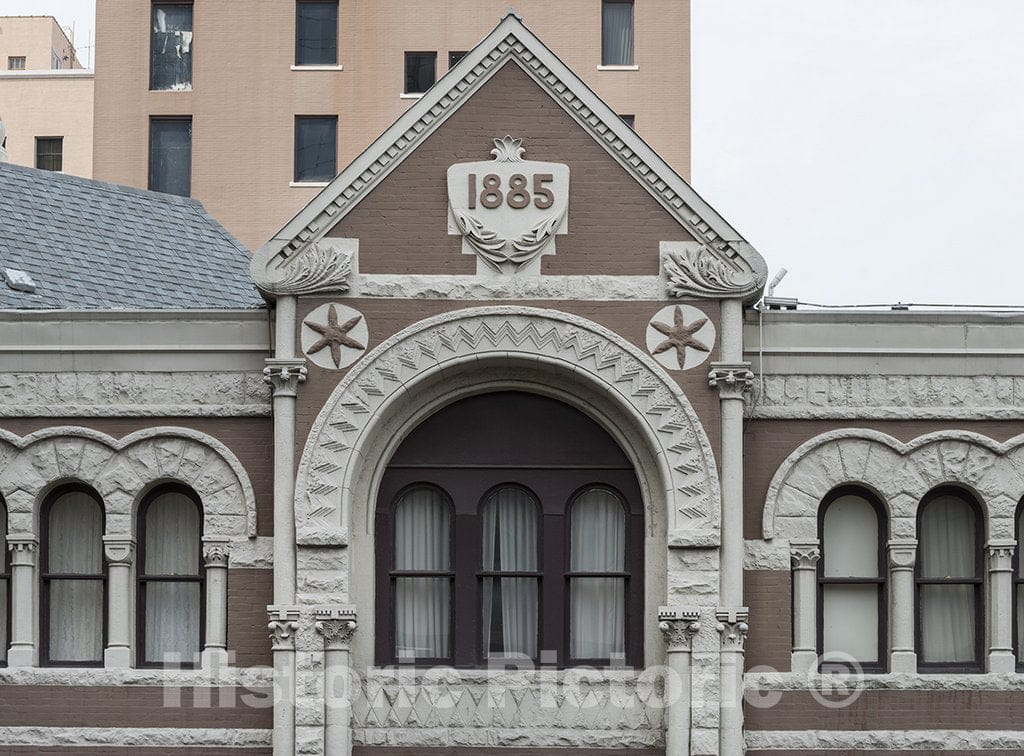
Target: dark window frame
455	56
12	59
632	32
5	577
142	577
1017	582
46	577
192	73
295	149
978	665
405	70
60	155
163	119
337	30
882	665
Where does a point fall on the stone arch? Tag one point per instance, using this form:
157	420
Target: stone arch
121	471
900	473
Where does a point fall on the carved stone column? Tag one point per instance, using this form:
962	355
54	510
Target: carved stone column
284	624
1000	602
337	625
22	652
732	625
902	557
804	556
120	553
679	626
215	559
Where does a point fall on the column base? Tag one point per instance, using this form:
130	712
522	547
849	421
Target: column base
804	662
214	657
1002	662
21	656
117	657
903	663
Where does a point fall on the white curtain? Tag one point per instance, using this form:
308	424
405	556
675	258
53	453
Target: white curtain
172	619
947	550
510	545
850	550
617	33
597	611
75	546
422	604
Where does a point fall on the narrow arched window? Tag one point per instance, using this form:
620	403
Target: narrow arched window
1018	591
851	580
73	576
598	580
5	587
950	628
510	575
421	576
170	578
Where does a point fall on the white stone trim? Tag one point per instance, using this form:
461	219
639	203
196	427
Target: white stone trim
931	741
308	184
252	553
134	736
797	681
766	555
619	68
336	67
224	676
603	288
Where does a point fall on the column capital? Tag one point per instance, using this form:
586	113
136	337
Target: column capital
216	551
1000	554
337	624
902	553
804	555
284	375
23	548
678	625
284	623
731	379
733	627
119	550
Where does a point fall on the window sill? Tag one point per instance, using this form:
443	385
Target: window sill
618	68
338	67
407	96
308	184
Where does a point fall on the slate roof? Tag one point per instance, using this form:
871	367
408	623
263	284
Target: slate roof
93	245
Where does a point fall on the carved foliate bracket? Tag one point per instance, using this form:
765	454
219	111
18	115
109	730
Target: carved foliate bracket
285	375
216	552
679	626
805	555
118	550
322	267
1000	555
283	625
902	553
337	625
693	269
731	379
733	627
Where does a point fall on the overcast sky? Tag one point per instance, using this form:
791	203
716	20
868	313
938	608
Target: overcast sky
875	148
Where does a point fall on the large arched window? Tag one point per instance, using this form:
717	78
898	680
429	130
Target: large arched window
950	626
509	526
851	581
170	578
5	587
1018	591
73	579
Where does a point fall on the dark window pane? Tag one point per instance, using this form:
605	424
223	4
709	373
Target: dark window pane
629	120
455	57
420	71
172	622
16	63
947	624
170	156
617	33
171	47
316	148
316	33
76	620
50	153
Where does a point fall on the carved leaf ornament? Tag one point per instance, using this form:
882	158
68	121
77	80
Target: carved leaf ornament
700	272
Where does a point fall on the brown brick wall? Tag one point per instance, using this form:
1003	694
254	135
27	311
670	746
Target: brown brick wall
894	710
249	593
416	751
767	443
402	224
133	706
848	752
132	750
249	438
769	596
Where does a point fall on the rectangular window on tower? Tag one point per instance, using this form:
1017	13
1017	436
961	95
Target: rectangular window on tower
170	155
316	148
617	33
50	153
16	63
316	33
171	43
420	71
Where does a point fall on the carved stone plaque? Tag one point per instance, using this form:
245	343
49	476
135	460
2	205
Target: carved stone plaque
508	210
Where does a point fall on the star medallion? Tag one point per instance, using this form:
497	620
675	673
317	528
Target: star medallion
335	336
680	336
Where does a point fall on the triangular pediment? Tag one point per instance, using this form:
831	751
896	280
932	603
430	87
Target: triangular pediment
713	262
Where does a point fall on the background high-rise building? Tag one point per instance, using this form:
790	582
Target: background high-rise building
252	108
